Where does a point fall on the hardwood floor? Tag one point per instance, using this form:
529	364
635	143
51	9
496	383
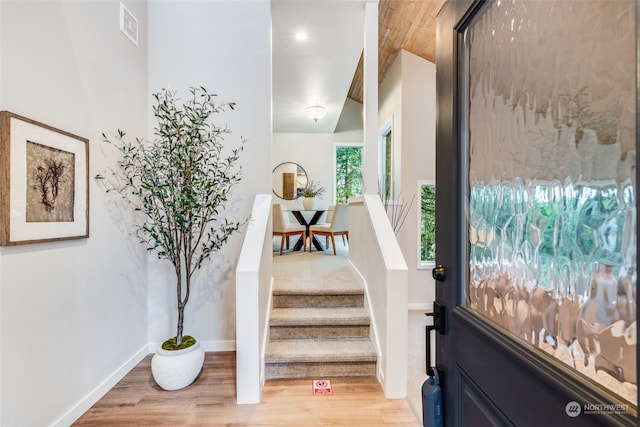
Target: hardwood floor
210	401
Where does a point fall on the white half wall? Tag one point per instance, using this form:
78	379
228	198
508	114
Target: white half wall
377	260
73	314
253	302
225	47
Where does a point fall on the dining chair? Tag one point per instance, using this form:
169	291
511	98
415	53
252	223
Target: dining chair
282	228
327	220
329	216
339	226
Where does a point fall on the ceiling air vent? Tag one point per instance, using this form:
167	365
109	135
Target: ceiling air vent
128	24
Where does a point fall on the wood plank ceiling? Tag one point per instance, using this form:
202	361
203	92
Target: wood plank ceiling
403	24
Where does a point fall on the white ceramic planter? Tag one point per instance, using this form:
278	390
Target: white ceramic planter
309	203
176	369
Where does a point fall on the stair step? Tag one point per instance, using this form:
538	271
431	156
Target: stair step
320	351
318	299
277	371
313	358
319	323
319	316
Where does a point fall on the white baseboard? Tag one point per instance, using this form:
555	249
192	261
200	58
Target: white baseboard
97	393
422	306
380	374
224	345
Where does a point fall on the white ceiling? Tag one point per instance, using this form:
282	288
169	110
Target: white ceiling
318	70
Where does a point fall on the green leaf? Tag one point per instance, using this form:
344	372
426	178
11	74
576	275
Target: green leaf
178	182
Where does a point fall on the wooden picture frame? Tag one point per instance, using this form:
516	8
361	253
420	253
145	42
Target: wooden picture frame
44	182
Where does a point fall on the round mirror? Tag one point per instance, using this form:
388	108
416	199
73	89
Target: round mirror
288	180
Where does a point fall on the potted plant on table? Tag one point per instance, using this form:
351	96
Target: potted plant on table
309	192
179	182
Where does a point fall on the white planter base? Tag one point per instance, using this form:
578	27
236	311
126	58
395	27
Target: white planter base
176	369
309	203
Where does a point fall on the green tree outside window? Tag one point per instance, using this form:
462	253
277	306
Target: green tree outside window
348	172
388	160
428	223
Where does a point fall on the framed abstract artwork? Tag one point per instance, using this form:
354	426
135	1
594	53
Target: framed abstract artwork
44	182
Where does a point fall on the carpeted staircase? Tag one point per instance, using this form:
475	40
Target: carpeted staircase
319	333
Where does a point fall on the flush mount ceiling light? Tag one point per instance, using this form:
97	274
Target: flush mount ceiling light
315	112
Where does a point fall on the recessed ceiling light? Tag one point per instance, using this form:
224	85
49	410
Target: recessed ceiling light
301	35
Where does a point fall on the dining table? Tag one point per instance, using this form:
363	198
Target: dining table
301	216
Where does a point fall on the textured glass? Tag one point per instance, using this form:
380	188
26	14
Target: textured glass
552	209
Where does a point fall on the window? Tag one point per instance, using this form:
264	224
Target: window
427	221
385	170
348	173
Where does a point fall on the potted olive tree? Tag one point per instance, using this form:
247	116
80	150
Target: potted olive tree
179	183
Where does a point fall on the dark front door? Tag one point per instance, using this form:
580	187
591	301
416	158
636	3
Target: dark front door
536	212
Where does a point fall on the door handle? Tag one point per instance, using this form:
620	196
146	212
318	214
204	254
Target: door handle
438	325
438	273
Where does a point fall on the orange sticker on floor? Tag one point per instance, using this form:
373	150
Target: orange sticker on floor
322	387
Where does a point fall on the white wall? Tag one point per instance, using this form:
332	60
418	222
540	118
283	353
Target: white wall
390	111
418	160
349	127
312	151
224	46
407	96
73	314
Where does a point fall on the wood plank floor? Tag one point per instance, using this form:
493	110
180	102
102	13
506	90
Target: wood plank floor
210	401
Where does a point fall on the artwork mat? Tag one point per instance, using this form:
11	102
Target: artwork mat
14	229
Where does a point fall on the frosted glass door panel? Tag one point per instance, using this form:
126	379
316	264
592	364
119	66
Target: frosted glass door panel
552	209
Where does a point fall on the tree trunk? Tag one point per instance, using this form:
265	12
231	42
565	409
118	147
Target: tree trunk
180	323
183	278
179	276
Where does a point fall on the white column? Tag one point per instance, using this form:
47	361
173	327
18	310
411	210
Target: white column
370	98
